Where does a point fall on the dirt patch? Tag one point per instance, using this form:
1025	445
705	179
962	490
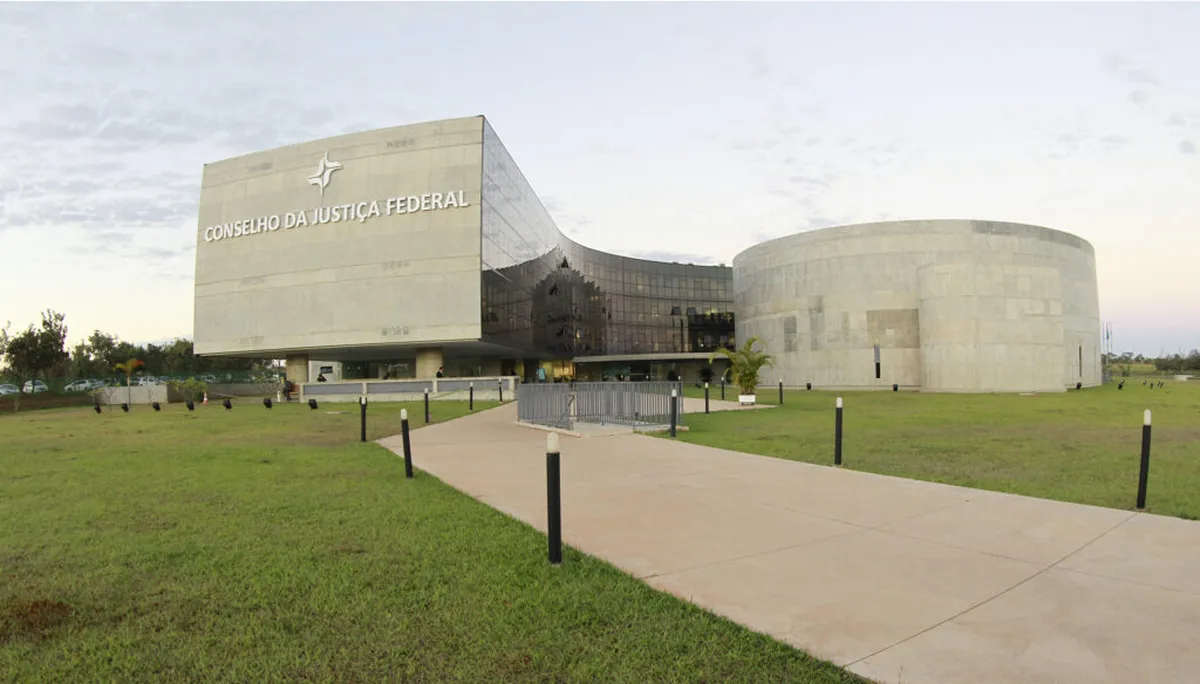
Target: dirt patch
515	664
35	619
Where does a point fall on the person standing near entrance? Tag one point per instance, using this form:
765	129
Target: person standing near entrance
541	374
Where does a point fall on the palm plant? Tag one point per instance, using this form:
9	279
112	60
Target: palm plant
128	368
745	364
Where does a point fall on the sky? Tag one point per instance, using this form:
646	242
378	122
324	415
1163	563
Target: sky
661	130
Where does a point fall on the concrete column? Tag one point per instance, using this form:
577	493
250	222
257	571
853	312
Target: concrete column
428	362
297	368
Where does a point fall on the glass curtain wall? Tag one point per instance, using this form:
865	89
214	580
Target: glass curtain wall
549	297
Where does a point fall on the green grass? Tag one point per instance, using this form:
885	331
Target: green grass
273	546
1080	446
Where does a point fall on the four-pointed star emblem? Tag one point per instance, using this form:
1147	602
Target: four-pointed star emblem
325	169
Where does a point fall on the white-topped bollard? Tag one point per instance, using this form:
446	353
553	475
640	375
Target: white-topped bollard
408	469
674	410
1144	470
837	434
553	499
362	409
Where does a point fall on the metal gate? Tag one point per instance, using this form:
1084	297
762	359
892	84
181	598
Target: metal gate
563	405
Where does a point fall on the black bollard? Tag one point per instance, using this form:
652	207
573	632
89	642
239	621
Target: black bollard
706	398
553	499
407	444
808	385
362	410
500	384
471	397
674	411
837	434
722	389
895	387
1144	471
781	391
427	406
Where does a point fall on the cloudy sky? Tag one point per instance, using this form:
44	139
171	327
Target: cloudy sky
649	129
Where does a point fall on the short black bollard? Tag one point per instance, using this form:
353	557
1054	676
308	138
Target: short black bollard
553	499
837	434
1144	471
427	406
407	443
471	397
362	409
722	389
895	387
781	392
706	398
674	411
808	385
500	385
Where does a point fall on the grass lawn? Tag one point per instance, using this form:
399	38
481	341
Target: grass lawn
1080	446
274	546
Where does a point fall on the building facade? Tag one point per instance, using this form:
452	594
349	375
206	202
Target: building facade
407	251
942	305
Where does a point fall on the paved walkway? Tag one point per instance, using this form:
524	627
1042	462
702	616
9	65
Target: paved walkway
899	580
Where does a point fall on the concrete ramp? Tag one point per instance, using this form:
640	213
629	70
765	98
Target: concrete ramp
898	580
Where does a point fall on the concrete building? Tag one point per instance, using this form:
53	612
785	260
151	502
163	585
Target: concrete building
401	252
404	251
942	305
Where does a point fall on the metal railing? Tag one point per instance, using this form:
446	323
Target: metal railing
563	405
408	389
546	404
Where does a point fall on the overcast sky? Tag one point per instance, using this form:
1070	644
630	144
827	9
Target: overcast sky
659	130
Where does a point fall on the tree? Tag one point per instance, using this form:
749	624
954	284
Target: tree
95	356
179	357
5	337
35	351
128	367
745	364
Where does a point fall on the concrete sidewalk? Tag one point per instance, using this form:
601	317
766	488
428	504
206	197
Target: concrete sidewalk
899	580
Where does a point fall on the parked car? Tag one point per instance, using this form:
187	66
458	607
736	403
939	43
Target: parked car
78	386
8	389
34	386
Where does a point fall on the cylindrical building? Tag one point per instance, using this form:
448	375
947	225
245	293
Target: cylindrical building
941	305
